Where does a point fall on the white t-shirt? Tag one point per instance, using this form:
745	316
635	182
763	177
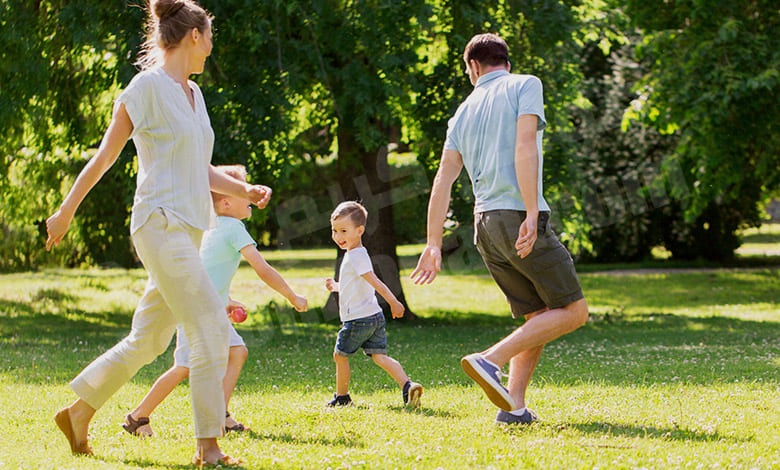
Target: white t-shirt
357	299
174	145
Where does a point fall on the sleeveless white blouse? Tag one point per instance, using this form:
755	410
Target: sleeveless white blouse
174	145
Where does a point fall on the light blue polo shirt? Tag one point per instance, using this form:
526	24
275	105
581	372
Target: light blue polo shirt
221	252
484	130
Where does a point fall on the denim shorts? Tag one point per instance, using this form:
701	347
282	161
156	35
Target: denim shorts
367	333
546	278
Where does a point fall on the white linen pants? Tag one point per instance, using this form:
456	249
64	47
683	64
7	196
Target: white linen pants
178	291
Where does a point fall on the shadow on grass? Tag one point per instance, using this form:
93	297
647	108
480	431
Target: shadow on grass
648	432
613	348
423	410
150	463
41	321
762	238
605	429
286	438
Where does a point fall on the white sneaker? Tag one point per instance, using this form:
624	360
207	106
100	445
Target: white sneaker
412	395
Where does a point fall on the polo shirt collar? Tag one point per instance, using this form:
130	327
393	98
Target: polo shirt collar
490	76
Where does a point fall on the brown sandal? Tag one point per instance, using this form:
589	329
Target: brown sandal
237	428
131	425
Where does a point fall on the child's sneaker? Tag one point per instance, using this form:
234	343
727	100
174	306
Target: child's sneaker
505	418
488	376
340	400
411	393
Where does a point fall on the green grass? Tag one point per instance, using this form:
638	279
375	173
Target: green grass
674	370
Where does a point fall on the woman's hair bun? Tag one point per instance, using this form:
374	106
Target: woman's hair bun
165	8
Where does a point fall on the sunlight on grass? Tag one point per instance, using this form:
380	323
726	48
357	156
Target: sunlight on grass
763	240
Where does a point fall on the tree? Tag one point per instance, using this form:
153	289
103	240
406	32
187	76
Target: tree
351	62
714	80
58	77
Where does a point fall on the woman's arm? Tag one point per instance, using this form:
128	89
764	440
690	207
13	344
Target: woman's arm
114	141
224	184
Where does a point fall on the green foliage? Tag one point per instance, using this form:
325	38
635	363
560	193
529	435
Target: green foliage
713	79
59	75
309	95
621	184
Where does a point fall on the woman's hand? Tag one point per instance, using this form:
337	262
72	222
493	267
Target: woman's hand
259	195
56	227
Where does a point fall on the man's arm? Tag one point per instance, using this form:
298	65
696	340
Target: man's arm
527	172
430	259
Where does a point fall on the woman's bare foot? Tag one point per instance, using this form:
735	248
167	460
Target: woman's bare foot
145	430
73	421
209	453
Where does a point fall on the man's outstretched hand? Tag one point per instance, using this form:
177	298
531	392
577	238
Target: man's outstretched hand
428	266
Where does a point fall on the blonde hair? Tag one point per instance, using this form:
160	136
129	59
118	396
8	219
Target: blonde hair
234	171
352	209
168	23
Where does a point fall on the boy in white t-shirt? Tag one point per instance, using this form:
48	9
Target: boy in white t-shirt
221	250
363	323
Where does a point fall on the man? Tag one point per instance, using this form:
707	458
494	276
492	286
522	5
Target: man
496	134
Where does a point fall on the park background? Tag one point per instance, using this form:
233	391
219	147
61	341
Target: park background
661	153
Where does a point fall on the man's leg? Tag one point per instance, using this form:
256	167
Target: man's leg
537	331
521	368
525	342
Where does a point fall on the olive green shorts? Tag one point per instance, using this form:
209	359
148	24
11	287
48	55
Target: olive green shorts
544	279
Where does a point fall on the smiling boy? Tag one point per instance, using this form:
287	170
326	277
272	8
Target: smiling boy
363	323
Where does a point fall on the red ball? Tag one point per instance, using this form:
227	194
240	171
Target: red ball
237	315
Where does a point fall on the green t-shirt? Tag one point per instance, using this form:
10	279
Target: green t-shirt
221	252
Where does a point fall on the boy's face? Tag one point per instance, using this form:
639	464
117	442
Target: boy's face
235	207
345	233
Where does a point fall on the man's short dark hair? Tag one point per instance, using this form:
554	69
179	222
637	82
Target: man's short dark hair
487	49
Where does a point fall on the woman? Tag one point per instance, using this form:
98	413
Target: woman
166	116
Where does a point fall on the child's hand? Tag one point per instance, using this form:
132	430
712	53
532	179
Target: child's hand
331	284
232	304
397	309
300	303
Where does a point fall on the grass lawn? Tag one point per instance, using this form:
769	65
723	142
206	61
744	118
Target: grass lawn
674	370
